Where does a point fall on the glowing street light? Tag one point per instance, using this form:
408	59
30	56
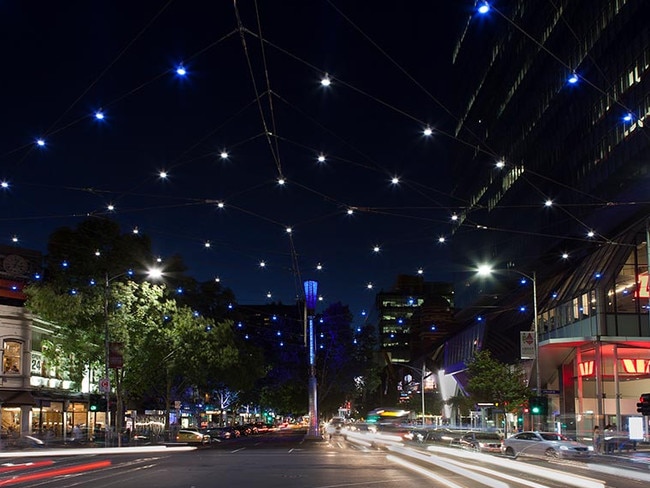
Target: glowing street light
485	270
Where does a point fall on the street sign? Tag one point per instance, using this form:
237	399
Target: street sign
550	392
527	345
104	385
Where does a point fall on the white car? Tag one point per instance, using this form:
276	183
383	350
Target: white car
334	427
544	444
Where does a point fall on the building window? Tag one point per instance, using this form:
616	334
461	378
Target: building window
11	359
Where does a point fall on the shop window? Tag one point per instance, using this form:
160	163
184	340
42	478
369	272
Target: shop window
11	359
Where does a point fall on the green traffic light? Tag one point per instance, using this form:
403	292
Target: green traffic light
535	410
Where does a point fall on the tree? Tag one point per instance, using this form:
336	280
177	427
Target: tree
494	382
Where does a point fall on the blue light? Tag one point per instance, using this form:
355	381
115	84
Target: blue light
433	327
573	79
522	281
246	336
554	295
321	347
14	287
64	264
37	276
40	142
522	308
130	272
230	306
400	321
484	8
275	317
358	329
479	318
73	292
628	117
179	290
363	313
195	313
92	282
278	333
180	70
598	275
208	328
99	115
281	344
240	325
410	302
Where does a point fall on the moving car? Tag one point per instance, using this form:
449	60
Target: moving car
192	437
482	441
544	444
334	427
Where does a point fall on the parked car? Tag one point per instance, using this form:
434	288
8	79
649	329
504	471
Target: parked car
482	441
192	437
544	444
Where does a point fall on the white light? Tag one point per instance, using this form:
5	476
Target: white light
217	279
628	117
376	249
110	207
427	131
394	180
325	81
181	71
155	273
565	255
441	239
159	259
548	203
281	181
321	158
207	244
262	264
98	252
369	286
40	142
591	233
350	211
289	230
484	8
320	298
573	79
501	163
319	266
224	155
484	269
454	217
14	239
99	115
163	174
220	205
268	294
420	271
136	230
4	184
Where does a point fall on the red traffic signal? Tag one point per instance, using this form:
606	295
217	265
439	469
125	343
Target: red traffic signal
643	407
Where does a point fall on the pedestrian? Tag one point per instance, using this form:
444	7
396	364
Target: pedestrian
597	440
609	439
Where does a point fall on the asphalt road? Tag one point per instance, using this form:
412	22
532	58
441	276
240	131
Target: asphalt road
285	460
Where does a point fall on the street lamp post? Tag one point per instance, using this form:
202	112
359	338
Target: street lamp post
422	377
311	290
486	270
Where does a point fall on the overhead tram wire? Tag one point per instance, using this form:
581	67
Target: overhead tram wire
242	37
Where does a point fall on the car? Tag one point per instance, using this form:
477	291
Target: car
334	427
544	444
482	441
191	436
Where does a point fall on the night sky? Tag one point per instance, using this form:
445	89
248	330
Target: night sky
252	89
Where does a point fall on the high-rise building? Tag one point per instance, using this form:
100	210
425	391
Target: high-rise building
553	100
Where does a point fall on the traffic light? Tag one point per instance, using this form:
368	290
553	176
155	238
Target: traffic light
538	405
643	406
97	404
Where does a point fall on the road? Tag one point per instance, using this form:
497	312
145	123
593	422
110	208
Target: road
284	460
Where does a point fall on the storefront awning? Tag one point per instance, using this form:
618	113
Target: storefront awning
16	398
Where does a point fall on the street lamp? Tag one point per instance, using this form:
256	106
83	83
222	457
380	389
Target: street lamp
311	297
423	375
485	270
153	273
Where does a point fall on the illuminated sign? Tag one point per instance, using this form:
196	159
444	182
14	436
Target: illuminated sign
586	368
636	366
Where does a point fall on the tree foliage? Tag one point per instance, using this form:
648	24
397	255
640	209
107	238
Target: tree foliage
495	382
